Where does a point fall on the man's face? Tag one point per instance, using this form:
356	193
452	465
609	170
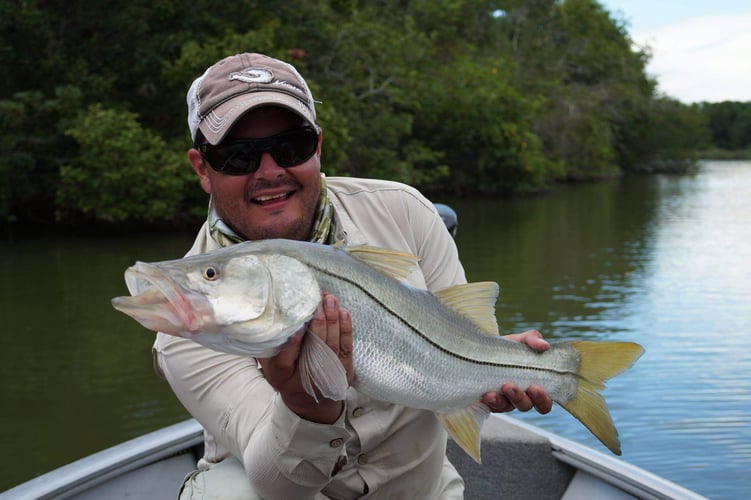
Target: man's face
272	202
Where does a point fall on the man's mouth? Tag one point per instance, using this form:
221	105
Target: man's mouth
262	200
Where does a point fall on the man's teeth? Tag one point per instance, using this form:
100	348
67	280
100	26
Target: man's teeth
261	199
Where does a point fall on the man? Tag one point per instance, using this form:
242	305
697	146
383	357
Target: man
257	150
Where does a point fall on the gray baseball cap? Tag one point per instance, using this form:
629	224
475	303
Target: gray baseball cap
239	83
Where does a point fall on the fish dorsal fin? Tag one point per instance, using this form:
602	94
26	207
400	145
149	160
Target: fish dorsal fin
464	427
474	301
392	263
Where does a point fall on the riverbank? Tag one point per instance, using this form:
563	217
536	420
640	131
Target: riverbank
190	221
724	154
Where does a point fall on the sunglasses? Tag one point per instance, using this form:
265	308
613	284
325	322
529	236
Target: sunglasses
243	156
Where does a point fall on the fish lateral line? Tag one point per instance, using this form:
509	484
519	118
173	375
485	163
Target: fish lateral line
432	342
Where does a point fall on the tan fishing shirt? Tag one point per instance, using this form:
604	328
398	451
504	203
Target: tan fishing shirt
375	449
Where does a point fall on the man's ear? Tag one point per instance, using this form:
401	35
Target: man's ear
201	168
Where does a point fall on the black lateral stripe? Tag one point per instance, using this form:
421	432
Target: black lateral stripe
414	329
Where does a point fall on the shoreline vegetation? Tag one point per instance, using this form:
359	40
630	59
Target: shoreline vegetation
188	223
721	154
456	97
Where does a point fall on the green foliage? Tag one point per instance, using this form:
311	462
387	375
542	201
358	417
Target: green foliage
483	130
592	83
729	124
360	82
468	96
34	146
122	171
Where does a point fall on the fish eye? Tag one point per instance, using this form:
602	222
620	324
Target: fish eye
210	273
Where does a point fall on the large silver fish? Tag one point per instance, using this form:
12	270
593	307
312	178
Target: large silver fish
436	351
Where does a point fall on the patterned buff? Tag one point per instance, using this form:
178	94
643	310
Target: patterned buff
322	225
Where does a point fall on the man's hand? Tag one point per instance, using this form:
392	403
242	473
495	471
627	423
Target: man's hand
334	326
510	397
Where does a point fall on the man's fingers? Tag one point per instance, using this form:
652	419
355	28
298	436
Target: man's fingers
331	318
512	398
509	398
532	338
497	403
517	397
346	343
345	334
541	401
283	365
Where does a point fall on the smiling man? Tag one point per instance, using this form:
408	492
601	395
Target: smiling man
277	201
257	151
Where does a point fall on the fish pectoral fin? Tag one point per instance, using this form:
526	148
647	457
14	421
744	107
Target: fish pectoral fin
474	301
321	367
464	427
392	263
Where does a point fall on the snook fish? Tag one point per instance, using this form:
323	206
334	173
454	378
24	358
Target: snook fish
437	351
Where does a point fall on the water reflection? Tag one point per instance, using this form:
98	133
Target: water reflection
564	259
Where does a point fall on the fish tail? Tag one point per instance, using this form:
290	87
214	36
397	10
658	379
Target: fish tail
599	362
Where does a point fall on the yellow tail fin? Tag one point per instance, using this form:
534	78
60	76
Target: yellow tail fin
600	361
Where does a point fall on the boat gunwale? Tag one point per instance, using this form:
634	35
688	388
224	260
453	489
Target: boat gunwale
98	468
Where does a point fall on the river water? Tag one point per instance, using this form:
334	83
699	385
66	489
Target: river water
661	260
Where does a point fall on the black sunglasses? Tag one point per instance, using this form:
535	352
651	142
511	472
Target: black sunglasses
243	156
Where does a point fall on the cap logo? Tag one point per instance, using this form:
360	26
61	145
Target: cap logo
253	75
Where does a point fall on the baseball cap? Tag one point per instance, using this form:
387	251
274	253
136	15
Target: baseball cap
239	83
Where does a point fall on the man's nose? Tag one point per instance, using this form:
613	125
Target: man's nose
268	166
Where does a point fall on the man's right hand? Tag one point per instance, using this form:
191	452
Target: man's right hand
334	326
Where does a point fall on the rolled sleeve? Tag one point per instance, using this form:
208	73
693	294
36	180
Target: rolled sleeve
296	457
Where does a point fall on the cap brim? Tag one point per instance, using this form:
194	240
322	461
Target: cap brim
216	124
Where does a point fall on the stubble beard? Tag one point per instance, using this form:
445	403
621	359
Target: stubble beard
299	228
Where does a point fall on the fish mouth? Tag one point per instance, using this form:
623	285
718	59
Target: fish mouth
158	303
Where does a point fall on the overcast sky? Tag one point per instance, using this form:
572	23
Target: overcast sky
701	49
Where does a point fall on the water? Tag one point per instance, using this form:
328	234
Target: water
75	375
661	260
664	261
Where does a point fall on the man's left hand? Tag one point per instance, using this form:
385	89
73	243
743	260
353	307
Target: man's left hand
510	397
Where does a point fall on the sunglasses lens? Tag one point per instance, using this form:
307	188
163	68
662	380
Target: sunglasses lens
295	147
230	159
243	157
239	159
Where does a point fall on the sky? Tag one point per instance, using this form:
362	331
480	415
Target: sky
701	49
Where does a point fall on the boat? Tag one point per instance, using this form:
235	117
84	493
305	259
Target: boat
519	460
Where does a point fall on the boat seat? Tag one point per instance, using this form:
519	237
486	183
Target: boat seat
516	464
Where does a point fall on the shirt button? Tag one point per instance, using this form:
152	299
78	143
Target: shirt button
362	459
336	443
358	412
